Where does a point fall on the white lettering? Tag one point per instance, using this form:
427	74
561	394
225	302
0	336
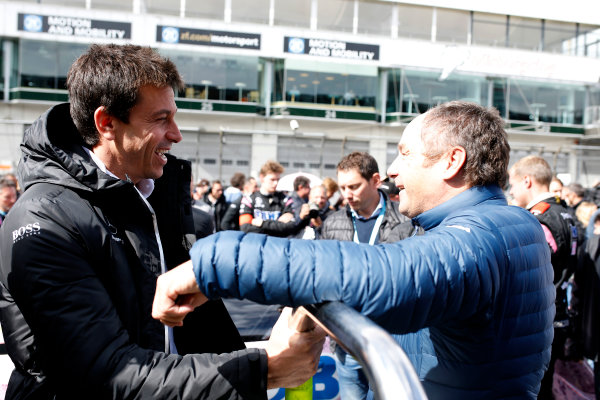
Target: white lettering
75	22
60	30
315	51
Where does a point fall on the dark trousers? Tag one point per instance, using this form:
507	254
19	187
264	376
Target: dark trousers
558	348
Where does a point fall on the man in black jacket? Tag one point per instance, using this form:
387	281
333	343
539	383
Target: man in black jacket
84	245
529	180
369	217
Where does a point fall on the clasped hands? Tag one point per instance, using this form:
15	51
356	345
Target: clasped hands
293	355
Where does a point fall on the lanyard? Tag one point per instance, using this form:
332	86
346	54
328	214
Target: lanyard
375	230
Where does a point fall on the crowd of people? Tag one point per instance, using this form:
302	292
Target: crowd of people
114	263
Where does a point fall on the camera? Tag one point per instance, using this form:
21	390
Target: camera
314	209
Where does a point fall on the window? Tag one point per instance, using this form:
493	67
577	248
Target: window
307	81
414	21
210	9
217	76
255	11
45	64
292	13
559	37
452	25
489	29
375	18
162	7
335	15
525	33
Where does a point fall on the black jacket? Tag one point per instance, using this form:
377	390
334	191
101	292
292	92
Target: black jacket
551	213
586	298
394	227
269	208
78	267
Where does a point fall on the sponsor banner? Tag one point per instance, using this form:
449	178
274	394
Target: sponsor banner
172	34
74	26
331	48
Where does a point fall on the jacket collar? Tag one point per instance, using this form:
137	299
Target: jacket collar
470	197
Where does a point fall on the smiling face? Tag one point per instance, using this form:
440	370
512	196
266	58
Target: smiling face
415	175
140	145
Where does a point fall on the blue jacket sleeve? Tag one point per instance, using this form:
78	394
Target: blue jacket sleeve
402	286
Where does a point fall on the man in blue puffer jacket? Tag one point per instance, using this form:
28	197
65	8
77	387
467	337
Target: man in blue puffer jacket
472	298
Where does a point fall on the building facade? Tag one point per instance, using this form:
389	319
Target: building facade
351	73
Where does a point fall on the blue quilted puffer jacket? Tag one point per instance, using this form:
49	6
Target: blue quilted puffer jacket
472	299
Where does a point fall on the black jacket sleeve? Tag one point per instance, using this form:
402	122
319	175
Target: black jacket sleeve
80	340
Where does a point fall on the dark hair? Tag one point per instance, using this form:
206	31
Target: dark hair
479	130
361	161
576	188
110	75
237	180
301	180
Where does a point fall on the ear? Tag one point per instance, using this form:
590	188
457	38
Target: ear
527	181
454	162
105	123
376	179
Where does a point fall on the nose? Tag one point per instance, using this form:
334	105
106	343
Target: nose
394	169
174	134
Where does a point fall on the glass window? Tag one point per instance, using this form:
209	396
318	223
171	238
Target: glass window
525	33
256	11
125	5
545	102
292	13
217	76
68	3
588	41
489	29
210	9
559	37
452	25
2	70
375	18
307	81
162	7
414	21
45	64
336	15
415	92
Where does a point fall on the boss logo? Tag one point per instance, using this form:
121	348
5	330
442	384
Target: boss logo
25	231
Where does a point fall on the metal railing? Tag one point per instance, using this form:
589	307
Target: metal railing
390	373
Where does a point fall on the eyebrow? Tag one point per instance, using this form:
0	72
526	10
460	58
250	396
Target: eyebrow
161	112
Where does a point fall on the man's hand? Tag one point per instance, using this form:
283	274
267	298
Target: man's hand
177	294
293	356
304	211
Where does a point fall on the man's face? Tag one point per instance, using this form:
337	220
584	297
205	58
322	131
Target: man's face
556	188
269	182
8	197
250	186
141	143
318	196
361	194
216	190
303	191
518	189
417	178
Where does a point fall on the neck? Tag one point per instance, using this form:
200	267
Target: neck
367	211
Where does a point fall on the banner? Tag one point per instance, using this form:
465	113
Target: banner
74	26
331	48
172	34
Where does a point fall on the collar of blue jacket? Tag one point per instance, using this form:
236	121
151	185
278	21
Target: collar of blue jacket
470	197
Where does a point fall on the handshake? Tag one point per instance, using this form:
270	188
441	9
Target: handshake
293	349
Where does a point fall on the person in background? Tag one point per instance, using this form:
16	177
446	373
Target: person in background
8	197
556	187
334	197
105	211
586	299
472	299
390	189
215	204
369	217
584	213
269	211
203	221
200	190
529	180
573	194
234	192
231	218
317	201
300	194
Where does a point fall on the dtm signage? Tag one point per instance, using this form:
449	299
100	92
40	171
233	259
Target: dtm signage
172	34
74	26
331	48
